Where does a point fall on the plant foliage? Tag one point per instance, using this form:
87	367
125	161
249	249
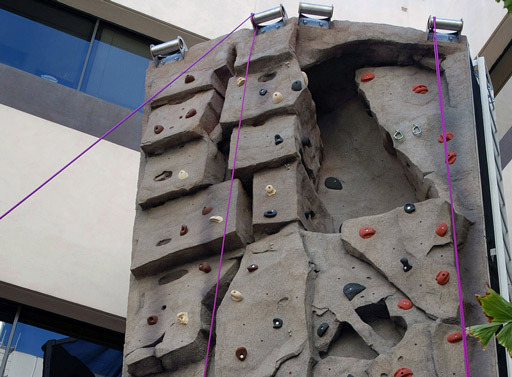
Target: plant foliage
506	4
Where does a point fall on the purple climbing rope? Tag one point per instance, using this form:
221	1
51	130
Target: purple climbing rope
461	303
229	203
121	122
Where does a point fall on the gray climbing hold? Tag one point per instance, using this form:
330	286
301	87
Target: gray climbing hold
278	139
263	92
405	262
322	329
297	86
409	207
278	323
270	213
333	183
306	142
351	290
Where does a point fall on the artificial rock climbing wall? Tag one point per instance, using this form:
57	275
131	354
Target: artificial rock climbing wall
339	254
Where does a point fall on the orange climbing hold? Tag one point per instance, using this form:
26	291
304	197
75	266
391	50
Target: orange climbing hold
420	89
403	372
442	229
368	76
454	337
404	304
366	232
449	136
452	156
443	277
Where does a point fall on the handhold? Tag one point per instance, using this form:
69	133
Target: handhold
182	174
270	213
240	81
305	77
236	296
297	86
278	323
449	136
263	92
252	267
206	210
406	266
190	113
366	232
278	139
306	142
189	79
322	329
398	135
309	213
452	156
183	230
241	353
442	229
351	290
416	130
443	277
333	183
409	207
277	97
158	129
182	318
205	267
420	89
403	372
270	190
454	337
404	304
152	320
216	219
368	76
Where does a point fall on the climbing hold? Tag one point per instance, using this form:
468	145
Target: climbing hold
152	320
305	77
241	353
309	213
278	139
236	296
349	375
442	229
270	190
277	97
409	207
252	267
216	219
404	304
420	89
449	136
351	290
240	81
190	113
403	372
443	277
454	337
183	230
368	76
405	262
189	79
416	130
206	210
278	323
270	213
366	232
340	227
182	174
182	318
263	92
398	135
158	129
306	142
205	267
322	329
452	156
297	86
333	183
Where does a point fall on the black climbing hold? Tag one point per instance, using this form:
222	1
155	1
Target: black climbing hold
341	226
322	329
333	183
409	207
270	213
309	213
278	323
306	142
278	139
351	290
350	375
297	85
263	92
405	262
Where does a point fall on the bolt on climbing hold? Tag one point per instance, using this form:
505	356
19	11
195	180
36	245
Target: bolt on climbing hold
416	130
277	323
309	214
398	135
241	353
368	76
190	113
270	190
182	174
409	207
406	266
278	139
152	320
366	232
263	92
305	77
452	156
205	267
322	329
277	97
403	372
206	210
442	229
351	290
189	79
216	219
240	81
306	142
182	318
252	267
333	183
236	296
443	277
454	337
404	304
158	129
270	213
420	89
297	86
183	230
449	136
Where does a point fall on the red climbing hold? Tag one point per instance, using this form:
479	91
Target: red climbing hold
449	136
158	129
452	156
152	320
443	277
205	267
404	304
366	232
454	337
183	230
420	89
403	372
368	76
442	229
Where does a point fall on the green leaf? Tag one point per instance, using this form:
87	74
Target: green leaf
505	337
495	307
484	333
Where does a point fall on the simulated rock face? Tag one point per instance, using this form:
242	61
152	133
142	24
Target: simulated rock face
313	280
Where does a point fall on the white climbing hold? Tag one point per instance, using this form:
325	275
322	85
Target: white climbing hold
236	296
240	81
270	190
305	77
216	219
183	318
277	97
182	174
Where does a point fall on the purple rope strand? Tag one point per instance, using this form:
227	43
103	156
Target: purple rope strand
461	303
229	203
121	122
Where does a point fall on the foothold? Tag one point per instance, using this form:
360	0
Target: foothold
158	129
252	267
406	266
306	142
366	232
443	277
333	183
452	156
309	213
205	267
270	190
277	97
189	79
270	213
183	230
263	92
404	304
305	77
398	135
240	81
449	136
409	207
236	296
368	76
182	174
206	210
442	229
216	219
278	323
351	290
454	337
297	86
152	320
241	353
416	130
278	139
322	329
182	318
190	113
420	89
403	372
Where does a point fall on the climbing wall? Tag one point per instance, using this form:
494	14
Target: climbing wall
339	255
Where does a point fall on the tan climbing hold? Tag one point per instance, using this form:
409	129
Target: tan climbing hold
277	97
270	190
183	318
182	174
216	219
305	77
240	81
236	296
